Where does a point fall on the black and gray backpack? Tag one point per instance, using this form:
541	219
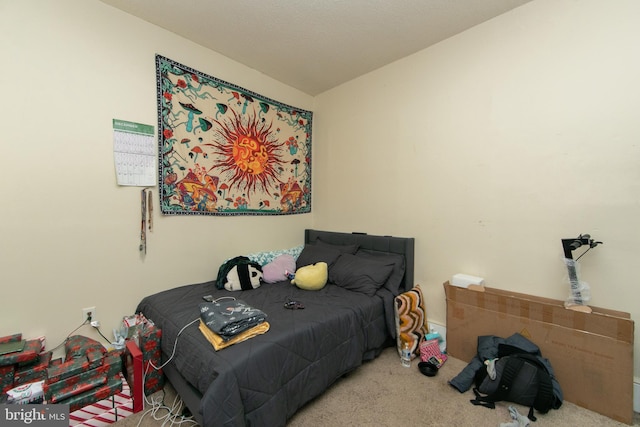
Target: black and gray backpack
520	378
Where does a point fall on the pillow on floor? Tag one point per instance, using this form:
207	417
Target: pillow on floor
411	319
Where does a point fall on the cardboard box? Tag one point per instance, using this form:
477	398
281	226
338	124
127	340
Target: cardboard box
591	353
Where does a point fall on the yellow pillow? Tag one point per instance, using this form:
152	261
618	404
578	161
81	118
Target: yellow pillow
311	277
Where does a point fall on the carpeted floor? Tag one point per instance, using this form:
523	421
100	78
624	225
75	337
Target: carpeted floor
383	393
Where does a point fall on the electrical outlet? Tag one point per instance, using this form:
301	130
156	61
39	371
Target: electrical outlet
89	313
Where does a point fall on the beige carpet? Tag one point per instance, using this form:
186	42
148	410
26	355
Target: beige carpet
383	393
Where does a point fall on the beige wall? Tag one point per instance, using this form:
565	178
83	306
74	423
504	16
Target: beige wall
488	148
69	235
492	146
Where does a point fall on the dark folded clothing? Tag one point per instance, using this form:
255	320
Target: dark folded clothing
228	318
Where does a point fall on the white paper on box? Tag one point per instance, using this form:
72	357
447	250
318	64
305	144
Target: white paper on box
464	280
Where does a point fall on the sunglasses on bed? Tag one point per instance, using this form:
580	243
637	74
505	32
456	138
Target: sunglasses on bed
293	305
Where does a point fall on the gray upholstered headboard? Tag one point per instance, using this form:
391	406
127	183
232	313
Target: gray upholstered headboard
397	245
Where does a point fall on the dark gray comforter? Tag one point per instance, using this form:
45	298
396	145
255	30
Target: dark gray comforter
265	380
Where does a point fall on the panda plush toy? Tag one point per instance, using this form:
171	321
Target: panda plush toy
239	274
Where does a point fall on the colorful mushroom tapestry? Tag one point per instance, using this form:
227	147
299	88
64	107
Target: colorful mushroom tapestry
224	150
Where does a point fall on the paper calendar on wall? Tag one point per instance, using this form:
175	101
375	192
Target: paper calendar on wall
134	153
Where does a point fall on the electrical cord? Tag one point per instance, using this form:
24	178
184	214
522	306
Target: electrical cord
97	328
88	321
63	342
173	416
175	413
175	344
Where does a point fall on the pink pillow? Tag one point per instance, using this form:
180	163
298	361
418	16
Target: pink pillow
276	270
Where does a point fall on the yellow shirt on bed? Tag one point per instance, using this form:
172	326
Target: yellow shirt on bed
217	341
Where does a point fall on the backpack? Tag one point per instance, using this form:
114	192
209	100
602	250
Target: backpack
520	378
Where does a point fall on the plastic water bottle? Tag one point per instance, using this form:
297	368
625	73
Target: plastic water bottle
405	355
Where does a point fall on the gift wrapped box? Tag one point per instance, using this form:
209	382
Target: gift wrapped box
28	355
81	347
63	386
37	371
88	374
64	370
6	377
151	353
62	390
60	370
94	395
11	338
149	344
106	411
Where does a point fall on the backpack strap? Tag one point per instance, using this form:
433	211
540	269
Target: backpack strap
481	400
545	398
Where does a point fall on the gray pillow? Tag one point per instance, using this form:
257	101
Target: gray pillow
344	249
359	274
386	258
314	253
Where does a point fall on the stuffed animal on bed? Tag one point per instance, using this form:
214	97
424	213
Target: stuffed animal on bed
311	277
239	274
244	277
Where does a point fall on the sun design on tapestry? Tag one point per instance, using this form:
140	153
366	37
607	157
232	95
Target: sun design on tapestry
250	152
228	151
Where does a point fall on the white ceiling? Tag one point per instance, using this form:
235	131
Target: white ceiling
315	45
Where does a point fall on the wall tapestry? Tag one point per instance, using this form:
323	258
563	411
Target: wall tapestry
224	150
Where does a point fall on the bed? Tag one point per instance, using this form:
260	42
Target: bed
264	380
